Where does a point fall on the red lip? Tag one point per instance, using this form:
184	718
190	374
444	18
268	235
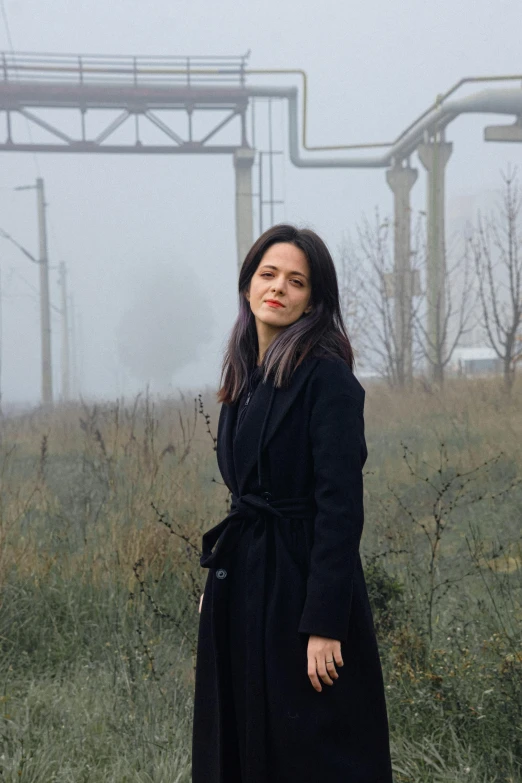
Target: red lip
274	302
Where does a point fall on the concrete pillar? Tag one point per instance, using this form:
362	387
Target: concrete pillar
243	162
401	179
434	156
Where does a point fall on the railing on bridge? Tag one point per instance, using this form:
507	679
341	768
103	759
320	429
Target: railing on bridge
124	70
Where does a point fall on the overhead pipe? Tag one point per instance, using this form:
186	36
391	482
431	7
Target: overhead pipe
507	101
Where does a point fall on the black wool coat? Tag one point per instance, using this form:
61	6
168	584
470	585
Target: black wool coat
285	564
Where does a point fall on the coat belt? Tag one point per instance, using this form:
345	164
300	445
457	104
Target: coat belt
219	541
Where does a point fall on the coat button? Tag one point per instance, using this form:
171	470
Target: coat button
221	573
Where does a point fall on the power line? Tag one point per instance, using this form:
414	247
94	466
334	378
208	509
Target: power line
16	273
20	247
33	288
6	23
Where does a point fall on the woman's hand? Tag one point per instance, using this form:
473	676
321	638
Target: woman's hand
200	603
323	656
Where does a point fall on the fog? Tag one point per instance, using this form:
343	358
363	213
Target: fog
149	241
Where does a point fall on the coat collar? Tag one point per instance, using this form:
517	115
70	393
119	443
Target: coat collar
265	413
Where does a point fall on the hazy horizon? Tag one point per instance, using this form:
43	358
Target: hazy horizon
129	225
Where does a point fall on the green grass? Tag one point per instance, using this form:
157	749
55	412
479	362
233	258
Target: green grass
101	512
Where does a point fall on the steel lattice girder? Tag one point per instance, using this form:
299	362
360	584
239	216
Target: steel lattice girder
141	102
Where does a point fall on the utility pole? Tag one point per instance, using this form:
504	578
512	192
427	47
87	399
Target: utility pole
45	314
65	335
79	349
74	364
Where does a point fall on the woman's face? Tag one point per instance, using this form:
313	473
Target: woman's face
283	275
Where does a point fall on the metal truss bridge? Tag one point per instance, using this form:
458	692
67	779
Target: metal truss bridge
138	88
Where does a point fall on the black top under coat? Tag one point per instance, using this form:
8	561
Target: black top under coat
254	376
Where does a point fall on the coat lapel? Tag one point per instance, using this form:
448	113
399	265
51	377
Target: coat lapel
237	460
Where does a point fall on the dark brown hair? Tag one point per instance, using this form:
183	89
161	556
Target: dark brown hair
320	332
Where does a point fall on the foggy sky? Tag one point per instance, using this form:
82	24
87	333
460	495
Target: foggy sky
372	68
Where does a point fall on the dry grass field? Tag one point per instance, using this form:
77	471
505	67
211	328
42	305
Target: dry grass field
102	509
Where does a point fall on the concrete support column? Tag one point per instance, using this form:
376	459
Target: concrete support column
401	179
243	162
434	156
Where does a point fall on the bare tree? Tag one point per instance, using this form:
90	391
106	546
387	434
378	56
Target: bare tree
456	318
497	252
370	304
383	341
350	295
394	342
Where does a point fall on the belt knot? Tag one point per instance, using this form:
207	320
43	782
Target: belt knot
221	539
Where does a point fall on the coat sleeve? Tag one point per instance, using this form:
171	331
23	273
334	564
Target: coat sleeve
336	431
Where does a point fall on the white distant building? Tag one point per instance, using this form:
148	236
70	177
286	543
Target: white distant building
478	360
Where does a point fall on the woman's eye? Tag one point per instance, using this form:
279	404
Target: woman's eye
264	274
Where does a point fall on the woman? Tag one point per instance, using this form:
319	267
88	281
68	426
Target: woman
289	684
